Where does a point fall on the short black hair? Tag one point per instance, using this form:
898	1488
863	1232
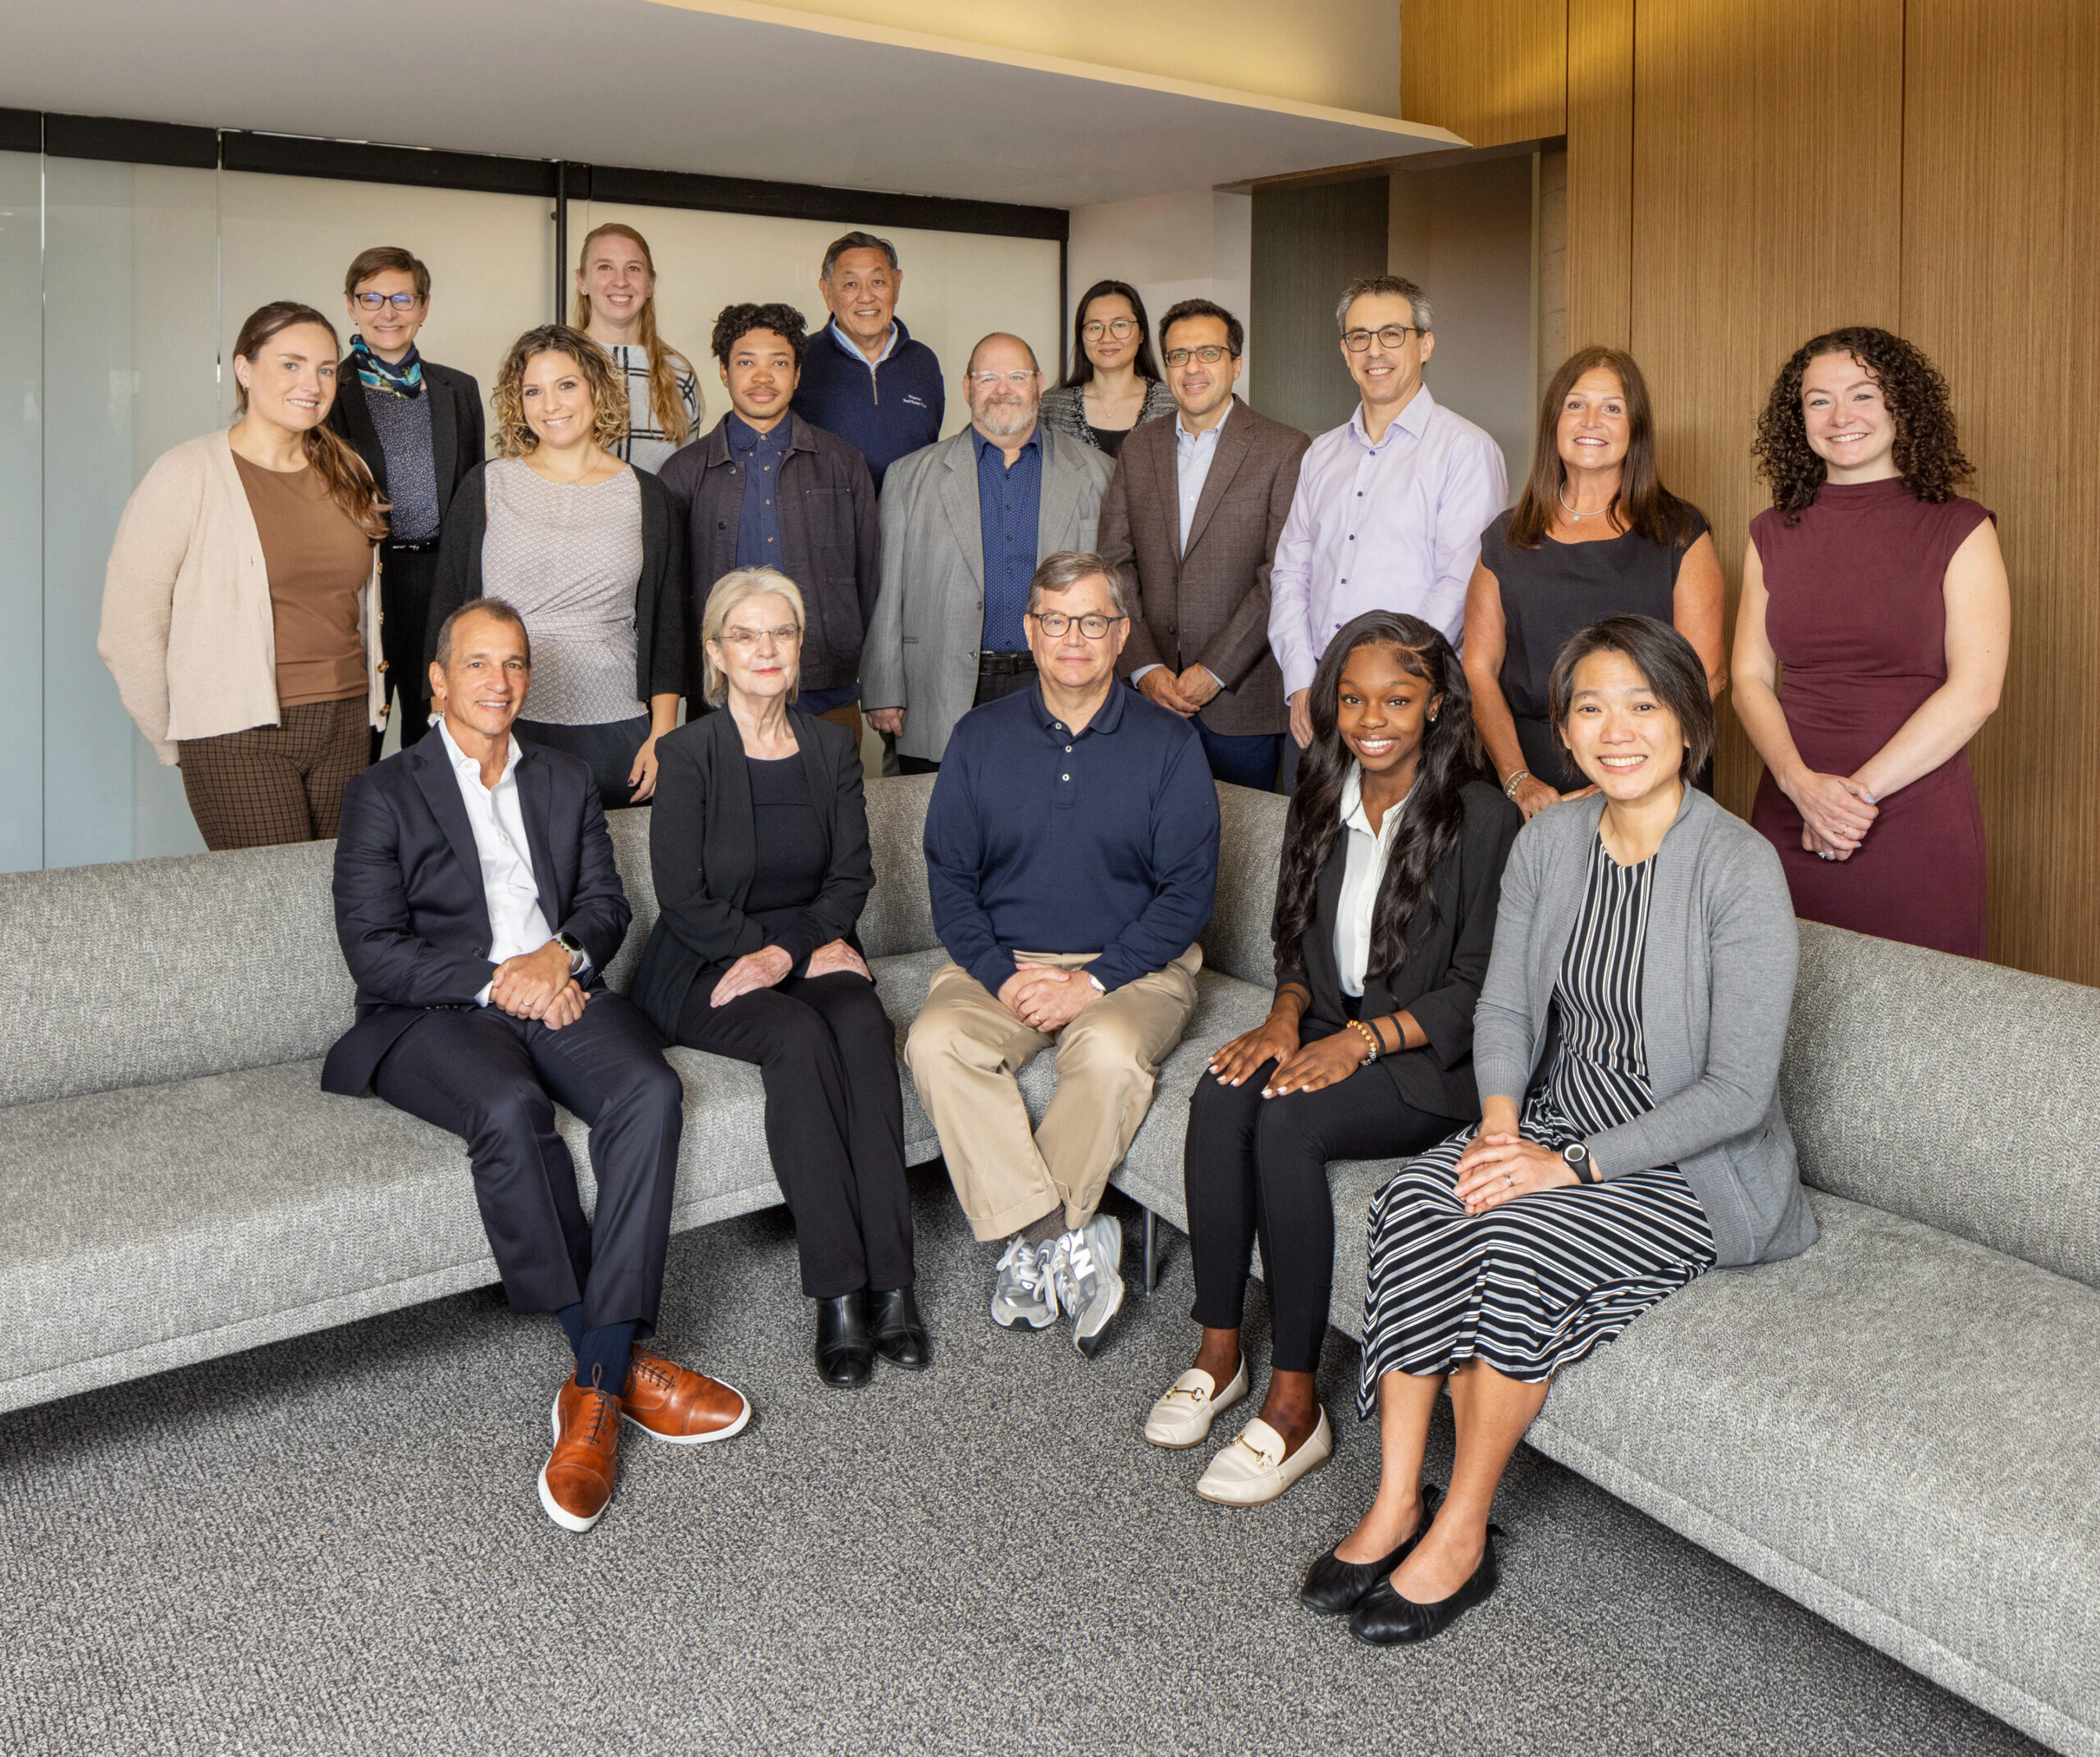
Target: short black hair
1661	655
736	321
501	608
858	241
1235	333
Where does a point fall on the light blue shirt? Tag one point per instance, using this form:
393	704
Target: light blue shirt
1193	456
852	349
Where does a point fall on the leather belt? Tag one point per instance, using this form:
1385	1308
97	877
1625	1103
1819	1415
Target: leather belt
990	664
423	548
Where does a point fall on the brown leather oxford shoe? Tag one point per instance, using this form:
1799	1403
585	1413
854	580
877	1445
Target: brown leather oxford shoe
671	1403
576	1483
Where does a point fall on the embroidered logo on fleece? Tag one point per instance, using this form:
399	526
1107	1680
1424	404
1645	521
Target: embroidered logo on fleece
915	402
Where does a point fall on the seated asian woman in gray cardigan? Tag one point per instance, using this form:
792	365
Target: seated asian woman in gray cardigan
759	846
1626	1048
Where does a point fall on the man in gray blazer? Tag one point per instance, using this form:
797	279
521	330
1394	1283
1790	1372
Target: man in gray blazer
964	521
1190	525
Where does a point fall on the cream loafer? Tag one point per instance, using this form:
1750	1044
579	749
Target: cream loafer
1183	1417
1253	1470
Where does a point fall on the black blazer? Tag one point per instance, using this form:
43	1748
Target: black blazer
1448	948
703	851
410	909
831	542
660	597
458	431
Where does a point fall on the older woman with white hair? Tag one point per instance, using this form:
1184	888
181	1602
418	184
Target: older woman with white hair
758	844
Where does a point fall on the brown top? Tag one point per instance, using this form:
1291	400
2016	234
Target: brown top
317	561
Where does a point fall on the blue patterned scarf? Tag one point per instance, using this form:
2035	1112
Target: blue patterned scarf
403	378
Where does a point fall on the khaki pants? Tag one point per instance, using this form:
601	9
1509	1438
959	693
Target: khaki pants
966	1049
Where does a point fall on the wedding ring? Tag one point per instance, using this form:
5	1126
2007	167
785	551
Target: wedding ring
1510	1178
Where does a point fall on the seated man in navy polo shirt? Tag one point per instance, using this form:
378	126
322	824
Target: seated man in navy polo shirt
1071	852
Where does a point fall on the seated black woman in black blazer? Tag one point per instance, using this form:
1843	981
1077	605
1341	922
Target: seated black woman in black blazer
1385	918
759	843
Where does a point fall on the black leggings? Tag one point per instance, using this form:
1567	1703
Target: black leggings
834	1118
1254	1165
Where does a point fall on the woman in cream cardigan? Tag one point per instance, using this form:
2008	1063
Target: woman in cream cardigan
240	612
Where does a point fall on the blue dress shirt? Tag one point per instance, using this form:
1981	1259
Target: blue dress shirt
759	456
1040	841
1009	512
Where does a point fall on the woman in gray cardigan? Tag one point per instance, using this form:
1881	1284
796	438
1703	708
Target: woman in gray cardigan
1627	1046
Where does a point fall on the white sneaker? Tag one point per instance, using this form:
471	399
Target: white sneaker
1087	1270
1253	1470
1025	1291
1183	1417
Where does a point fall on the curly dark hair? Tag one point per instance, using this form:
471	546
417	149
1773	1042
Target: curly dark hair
736	321
1929	453
1436	811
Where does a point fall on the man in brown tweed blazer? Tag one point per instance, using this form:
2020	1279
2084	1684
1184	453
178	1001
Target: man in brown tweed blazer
1190	522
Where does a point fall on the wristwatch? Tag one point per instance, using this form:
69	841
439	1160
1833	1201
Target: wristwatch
1576	1158
578	958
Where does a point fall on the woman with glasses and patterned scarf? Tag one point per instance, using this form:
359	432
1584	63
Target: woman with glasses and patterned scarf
1113	384
419	427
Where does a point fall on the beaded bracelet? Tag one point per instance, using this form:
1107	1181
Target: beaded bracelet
1370	1036
1509	787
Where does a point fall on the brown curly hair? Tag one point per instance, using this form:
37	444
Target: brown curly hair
1929	454
514	435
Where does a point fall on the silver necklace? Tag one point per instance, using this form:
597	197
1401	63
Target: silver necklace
1560	495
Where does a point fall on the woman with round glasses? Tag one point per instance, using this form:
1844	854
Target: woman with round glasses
759	846
1113	384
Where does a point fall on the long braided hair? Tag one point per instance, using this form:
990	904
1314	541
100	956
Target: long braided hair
1435	814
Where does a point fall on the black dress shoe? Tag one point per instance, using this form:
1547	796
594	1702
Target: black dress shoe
1386	1619
1333	1587
900	1332
845	1350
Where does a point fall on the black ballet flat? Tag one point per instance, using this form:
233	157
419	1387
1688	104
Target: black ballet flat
846	1349
1386	1619
1333	1587
900	1337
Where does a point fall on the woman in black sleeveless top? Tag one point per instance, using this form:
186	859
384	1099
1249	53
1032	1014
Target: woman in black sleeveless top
1595	534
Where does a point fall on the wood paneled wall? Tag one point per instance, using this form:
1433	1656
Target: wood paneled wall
1744	173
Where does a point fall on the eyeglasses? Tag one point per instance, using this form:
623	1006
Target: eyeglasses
1093	626
398	301
1392	335
985	380
1210	355
745	639
1121	328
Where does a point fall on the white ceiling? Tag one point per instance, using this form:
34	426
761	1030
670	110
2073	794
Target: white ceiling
738	90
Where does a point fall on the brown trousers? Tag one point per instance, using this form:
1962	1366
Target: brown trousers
965	1050
271	784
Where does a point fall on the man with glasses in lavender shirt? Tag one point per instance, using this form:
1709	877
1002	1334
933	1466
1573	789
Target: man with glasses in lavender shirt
1389	507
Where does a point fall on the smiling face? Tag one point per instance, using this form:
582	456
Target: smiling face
617	279
1004	389
862	295
1075	661
1097	332
1388	377
482	687
1619	732
1382	709
1595	429
391	330
290	382
557	400
760	650
761	375
1200	388
1850	424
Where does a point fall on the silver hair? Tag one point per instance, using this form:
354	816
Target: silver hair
1393	286
735	587
501	608
1063	570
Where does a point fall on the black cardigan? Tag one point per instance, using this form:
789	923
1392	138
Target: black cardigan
660	598
458	431
703	856
1448	948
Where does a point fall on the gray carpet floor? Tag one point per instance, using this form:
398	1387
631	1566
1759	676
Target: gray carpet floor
333	1545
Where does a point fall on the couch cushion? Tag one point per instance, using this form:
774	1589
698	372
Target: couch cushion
1954	1093
1250	844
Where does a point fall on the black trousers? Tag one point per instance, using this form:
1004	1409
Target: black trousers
405	579
494	1080
834	1118
1255	1165
609	747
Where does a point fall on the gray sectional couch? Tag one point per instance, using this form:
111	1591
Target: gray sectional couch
1900	1429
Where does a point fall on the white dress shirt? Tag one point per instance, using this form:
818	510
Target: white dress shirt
516	923
1193	455
1363	877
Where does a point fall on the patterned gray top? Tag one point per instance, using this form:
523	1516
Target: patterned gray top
646	446
403	424
570	560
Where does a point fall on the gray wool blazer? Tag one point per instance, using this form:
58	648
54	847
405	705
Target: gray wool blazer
921	650
1717	987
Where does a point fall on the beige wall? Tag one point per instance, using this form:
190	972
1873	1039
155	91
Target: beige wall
1345	54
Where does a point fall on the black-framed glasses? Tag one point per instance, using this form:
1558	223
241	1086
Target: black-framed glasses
1210	355
1391	336
398	301
1121	328
1093	625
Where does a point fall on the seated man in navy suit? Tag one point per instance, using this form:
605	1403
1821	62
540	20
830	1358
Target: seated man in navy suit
477	903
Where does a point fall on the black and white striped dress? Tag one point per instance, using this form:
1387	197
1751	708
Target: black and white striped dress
1534	1285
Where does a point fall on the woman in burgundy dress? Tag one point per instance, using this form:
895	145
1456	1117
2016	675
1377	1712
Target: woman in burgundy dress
1883	594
